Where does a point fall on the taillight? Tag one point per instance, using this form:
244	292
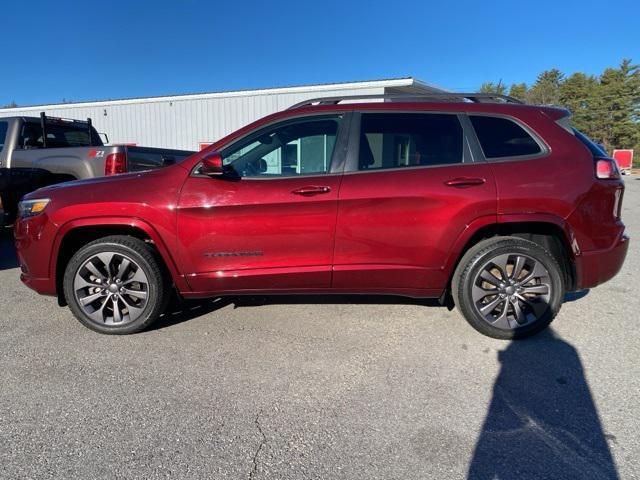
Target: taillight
115	163
607	169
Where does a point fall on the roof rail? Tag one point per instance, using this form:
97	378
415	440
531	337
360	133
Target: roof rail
420	97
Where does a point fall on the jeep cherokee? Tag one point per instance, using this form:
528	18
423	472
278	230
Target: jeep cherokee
492	205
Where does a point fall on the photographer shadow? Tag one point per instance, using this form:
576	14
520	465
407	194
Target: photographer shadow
542	421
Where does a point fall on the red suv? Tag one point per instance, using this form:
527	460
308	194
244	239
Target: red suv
476	200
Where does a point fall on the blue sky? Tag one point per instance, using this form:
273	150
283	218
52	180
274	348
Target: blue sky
84	50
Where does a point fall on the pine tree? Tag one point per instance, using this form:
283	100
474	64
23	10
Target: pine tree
616	107
546	90
519	91
578	93
496	88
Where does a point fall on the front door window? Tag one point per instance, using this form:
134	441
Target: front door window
301	147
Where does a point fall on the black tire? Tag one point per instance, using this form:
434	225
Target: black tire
141	256
467	281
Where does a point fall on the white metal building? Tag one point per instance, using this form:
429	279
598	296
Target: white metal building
187	121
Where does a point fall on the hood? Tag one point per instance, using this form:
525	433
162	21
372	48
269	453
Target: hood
97	181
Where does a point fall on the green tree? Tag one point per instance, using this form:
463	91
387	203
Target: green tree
615	108
519	91
496	88
546	89
579	94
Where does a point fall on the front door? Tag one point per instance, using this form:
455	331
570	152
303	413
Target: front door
409	193
269	224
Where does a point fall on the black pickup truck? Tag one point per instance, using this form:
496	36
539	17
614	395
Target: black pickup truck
36	152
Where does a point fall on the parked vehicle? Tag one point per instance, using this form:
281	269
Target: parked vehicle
67	150
474	199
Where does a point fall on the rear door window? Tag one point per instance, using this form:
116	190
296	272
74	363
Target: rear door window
396	140
503	138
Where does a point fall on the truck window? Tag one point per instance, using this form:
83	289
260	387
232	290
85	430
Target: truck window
31	136
59	135
4	126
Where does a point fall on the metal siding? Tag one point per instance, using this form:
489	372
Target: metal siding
184	122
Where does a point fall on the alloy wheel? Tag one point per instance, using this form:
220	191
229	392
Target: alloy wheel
511	291
111	289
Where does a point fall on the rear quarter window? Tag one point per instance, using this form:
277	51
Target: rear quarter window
503	138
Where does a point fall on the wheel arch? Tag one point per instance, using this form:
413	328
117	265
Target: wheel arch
77	233
550	232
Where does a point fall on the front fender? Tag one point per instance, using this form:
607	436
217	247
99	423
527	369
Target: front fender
131	222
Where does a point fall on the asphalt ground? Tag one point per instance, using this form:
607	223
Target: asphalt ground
322	387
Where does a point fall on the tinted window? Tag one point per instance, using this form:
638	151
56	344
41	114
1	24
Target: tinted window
392	140
3	133
501	137
58	135
302	147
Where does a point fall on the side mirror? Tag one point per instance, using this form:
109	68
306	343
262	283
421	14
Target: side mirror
212	165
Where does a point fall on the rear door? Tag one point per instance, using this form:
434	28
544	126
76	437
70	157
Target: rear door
410	190
272	227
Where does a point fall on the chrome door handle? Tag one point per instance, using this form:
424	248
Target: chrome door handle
465	182
311	190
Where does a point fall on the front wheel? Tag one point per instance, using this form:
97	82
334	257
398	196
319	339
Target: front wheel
508	288
115	285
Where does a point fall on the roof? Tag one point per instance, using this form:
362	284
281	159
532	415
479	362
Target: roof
311	88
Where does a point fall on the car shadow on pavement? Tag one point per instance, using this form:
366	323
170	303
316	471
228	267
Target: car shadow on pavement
182	311
8	258
542	421
330	299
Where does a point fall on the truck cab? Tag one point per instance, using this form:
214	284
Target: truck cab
32	150
39	151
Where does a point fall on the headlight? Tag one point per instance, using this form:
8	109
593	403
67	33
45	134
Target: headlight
31	208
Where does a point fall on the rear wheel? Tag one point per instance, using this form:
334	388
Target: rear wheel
507	287
115	285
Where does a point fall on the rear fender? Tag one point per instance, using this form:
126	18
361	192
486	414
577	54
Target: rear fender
487	223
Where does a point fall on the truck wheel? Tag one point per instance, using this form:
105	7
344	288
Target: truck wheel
508	288
115	285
